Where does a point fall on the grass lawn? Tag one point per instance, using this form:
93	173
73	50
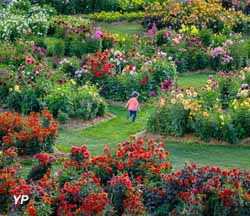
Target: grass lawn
123	28
119	129
110	132
202	154
193	80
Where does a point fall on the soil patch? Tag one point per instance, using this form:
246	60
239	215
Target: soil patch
79	124
188	138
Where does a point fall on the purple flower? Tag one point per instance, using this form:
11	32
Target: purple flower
152	94
167	34
222	73
152	31
43	49
210	77
168	83
98	35
35	48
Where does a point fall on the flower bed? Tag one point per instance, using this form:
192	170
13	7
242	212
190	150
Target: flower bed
30	135
118	73
134	180
220	110
201	13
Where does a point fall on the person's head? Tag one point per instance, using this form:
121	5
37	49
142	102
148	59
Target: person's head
135	94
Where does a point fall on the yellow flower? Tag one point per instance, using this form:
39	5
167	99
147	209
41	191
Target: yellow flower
173	101
17	88
205	114
179	96
73	82
221	117
1	153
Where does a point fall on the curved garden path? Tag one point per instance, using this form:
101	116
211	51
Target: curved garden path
119	129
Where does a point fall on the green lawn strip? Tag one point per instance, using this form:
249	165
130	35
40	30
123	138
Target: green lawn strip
202	154
196	80
27	165
122	28
111	132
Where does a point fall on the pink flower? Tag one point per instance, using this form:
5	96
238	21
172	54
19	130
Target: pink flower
29	60
98	35
152	31
167	34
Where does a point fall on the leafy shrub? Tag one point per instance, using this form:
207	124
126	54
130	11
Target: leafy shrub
76	102
116	16
7	80
25	100
165	121
55	47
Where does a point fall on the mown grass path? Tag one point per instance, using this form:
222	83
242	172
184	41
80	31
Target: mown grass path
119	129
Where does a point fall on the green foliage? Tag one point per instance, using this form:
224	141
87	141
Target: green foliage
116	16
166	121
66	100
25	101
55	47
7	80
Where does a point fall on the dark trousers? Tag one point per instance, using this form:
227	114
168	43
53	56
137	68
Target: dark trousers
133	114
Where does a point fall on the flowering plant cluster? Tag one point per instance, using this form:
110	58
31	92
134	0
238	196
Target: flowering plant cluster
20	18
206	190
29	135
200	13
192	49
219	110
118	72
65	99
78	188
79	36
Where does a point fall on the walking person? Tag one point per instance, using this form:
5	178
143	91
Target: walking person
133	106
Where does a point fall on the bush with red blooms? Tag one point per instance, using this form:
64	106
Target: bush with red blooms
99	64
8	157
30	135
124	197
134	180
140	159
43	165
203	191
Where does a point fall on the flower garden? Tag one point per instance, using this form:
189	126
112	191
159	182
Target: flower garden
68	62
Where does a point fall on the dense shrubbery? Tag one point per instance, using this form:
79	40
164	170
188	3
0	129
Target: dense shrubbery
30	135
29	86
66	100
92	6
116	16
200	13
134	180
220	110
21	18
